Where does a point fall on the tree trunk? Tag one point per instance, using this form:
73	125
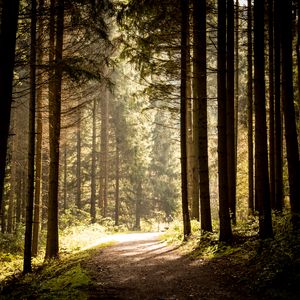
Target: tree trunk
8	31
271	102
278	114
261	148
78	161
31	143
104	155
250	112
54	135
225	225
230	112
184	184
93	171
65	178
200	96
289	110
38	163
237	83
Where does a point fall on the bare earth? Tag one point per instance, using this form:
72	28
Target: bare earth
140	266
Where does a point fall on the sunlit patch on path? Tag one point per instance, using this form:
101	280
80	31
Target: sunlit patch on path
141	266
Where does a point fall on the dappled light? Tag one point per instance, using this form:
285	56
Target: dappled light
150	149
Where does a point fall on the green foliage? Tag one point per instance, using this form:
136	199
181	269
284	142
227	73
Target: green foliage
12	243
57	279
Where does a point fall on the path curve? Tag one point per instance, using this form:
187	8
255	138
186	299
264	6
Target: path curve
141	267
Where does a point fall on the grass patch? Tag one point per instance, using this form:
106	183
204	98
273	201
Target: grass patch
57	279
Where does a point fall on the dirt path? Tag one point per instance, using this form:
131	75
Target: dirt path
140	266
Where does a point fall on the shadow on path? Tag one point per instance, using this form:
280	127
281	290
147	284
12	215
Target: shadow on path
147	268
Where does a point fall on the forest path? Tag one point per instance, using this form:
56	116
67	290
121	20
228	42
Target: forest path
141	266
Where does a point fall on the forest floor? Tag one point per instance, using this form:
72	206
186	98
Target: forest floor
141	266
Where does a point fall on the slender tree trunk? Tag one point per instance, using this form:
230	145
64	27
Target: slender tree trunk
31	143
8	31
18	198
54	134
11	204
271	103
250	112
200	96
289	110
65	178
298	64
104	155
230	112
278	114
184	184
225	225
261	148
93	171
237	83
117	204
38	163
78	162
189	132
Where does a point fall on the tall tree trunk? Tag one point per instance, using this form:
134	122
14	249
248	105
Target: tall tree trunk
184	184
225	225
261	148
8	31
65	205
200	96
271	102
194	205
78	161
236	80
278	114
31	143
289	110
104	155
230	112
298	64
38	163
93	171
117	170
12	181
250	111
54	135
192	184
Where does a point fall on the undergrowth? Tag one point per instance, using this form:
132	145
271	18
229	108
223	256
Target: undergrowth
65	278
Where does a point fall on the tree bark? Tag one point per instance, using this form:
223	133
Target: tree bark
200	96
271	102
225	224
52	248
289	110
230	112
278	113
184	184
93	171
8	31
78	161
31	143
250	111
261	148
38	163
